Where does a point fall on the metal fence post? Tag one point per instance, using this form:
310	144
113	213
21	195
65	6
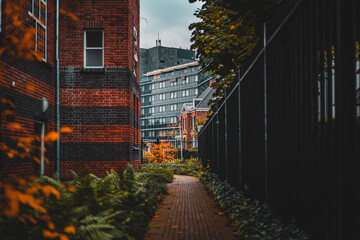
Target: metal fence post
345	119
226	140
265	117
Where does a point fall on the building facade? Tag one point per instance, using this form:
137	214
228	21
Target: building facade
160	57
99	84
163	94
27	81
100	91
193	116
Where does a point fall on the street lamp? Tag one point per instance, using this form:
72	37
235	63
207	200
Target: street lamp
180	131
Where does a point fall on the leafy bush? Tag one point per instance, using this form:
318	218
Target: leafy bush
187	154
166	174
251	219
115	207
190	167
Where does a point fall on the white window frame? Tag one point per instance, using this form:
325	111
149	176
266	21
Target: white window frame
94	48
0	14
37	22
42	147
184	123
193	122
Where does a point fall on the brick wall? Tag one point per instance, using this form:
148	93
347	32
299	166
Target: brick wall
32	80
101	105
188	133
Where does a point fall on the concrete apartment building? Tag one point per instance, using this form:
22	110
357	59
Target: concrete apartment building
164	91
160	57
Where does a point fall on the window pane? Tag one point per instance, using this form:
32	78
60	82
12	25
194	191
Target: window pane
94	58
43	13
36	8
94	38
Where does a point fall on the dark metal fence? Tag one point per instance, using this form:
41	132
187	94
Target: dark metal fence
288	132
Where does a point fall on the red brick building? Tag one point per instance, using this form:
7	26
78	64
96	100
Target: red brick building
192	114
99	83
24	82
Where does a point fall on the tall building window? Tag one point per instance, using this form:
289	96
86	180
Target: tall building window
0	14
196	78
162	96
196	91
94	48
38	21
173	95
135	50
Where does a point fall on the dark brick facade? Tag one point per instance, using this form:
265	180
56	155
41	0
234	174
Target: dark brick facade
101	105
24	82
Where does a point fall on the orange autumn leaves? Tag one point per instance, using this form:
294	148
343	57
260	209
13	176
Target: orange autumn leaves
160	153
19	195
26	145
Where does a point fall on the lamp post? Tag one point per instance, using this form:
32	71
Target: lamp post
180	131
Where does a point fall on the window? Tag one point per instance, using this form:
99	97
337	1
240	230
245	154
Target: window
38	21
187	80
152	98
184	124
135	50
173	107
173	119
162	109
173	95
94	48
161	84
185	93
196	91
172	82
162	96
0	14
39	146
142	100
193	122
196	78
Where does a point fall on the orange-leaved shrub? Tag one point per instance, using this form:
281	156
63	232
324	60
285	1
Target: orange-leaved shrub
160	153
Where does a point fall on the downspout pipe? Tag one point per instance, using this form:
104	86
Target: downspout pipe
57	92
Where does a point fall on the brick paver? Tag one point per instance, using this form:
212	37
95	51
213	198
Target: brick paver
188	212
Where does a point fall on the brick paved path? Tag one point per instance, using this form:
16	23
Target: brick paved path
188	212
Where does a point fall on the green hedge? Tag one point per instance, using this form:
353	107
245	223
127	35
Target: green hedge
251	219
187	154
190	167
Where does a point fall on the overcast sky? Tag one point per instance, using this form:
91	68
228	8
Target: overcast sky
169	18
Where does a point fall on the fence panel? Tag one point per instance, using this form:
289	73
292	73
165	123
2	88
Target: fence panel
292	136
